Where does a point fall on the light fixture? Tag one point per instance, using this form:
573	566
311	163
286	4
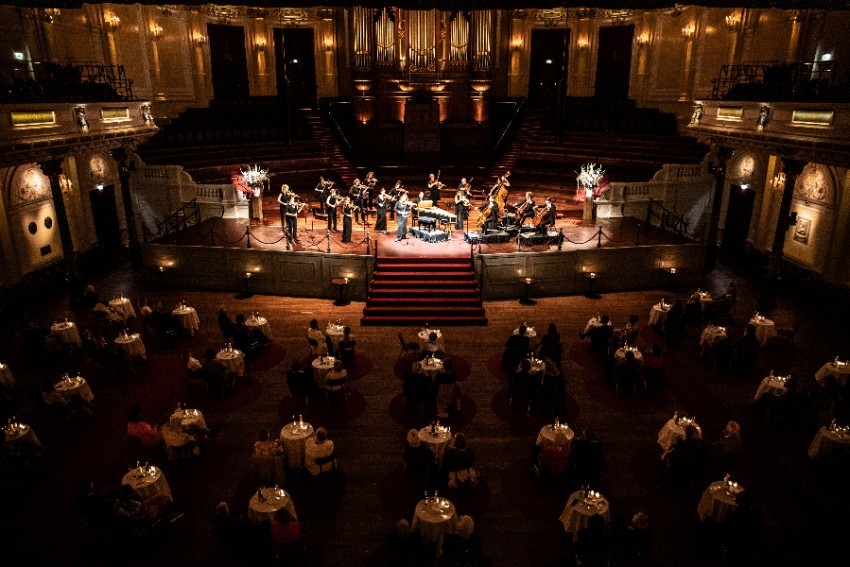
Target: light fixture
744	186
516	43
260	44
548	61
48	15
328	42
583	42
65	184
672	270
826	57
688	31
732	21
156	30
99	186
19	55
199	38
113	21
778	181
642	39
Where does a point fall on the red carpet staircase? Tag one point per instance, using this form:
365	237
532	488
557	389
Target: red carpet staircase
323	137
416	291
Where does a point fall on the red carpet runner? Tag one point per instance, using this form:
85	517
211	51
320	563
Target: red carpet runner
416	291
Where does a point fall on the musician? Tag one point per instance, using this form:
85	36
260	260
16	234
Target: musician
395	193
402	209
354	192
283	201
332	202
465	186
291	218
527	208
383	202
372	182
493	217
461	207
323	189
347	209
362	203
434	186
548	216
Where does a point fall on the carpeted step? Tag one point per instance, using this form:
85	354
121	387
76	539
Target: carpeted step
414	300
430	276
387	293
415	321
420	284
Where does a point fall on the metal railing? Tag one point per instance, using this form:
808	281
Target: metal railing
666	219
511	127
187	215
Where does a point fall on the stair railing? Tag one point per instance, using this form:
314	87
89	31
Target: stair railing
666	219
187	215
512	123
336	129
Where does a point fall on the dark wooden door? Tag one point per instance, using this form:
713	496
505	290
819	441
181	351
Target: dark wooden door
228	61
738	216
547	66
105	216
614	62
295	63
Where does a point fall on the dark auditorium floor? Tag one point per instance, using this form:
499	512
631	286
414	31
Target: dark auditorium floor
347	517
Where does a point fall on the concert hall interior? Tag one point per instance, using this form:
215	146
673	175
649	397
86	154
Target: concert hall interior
243	211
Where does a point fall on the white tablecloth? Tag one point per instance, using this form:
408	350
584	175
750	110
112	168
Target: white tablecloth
716	502
133	344
260	323
294	438
765	329
321	366
430	367
66	332
274	500
424	340
188	420
123	307
23	434
672	432
6	377
148	482
188	318
579	510
658	314
826	441
234	360
529	332
620	355
437	442
840	371
712	335
175	437
594	322
434	519
547	435
335	333
773	385
68	388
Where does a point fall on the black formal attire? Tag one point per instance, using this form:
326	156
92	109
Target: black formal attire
403	210
346	222
434	192
331	202
322	189
529	212
383	203
460	213
291	216
548	219
492	218
363	202
516	348
354	194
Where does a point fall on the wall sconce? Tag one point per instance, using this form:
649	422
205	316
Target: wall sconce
516	43
48	15
583	43
156	30
688	31
65	184
329	44
113	21
199	39
260	44
732	21
642	39
778	181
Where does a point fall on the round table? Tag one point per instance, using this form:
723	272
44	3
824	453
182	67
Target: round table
529	332
233	360
773	385
594	322
66	332
70	387
437	441
425	338
580	508
261	323
6	377
188	318
434	518
840	370
620	355
190	420
717	501
547	435
429	366
828	440
273	500
673	431
658	314
123	307
21	434
321	366
335	332
765	329
148	482
712	335
294	437
133	344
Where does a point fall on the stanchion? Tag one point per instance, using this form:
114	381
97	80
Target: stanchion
599	238
288	241
248	235
637	235
518	246
560	238
212	237
329	242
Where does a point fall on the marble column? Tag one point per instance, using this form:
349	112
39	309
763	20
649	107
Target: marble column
53	169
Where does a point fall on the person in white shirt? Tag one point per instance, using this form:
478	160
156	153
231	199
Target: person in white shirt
315	334
318	447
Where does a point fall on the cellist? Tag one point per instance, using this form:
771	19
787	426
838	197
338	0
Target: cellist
545	216
525	208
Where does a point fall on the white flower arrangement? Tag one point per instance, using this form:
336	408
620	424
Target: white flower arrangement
590	176
254	175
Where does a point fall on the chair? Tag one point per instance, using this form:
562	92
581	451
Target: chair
329	460
314	346
788	333
406	347
336	385
300	388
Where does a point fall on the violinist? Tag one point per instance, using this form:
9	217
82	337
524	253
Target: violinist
434	186
545	216
323	189
461	207
395	194
402	208
291	210
332	202
347	209
383	202
371	181
525	208
465	186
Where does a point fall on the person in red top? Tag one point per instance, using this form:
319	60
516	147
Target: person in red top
148	435
287	534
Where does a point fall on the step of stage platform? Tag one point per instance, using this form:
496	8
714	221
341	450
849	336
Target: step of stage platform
416	291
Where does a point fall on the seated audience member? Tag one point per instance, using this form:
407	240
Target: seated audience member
267	460
741	530
247	338
592	544
551	395
600	335
418	458
630	332
517	347
417	387
287	536
314	334
233	529
730	443
432	347
550	345
335	373
345	350
553	459
447	390
215	370
462	548
227	326
90	297
653	370
638	535
148	435
298	381
406	547
317	448
674	323
744	353
457	463
193	365
521	382
686	456
627	373
587	458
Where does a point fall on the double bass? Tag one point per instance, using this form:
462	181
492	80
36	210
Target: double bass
499	192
